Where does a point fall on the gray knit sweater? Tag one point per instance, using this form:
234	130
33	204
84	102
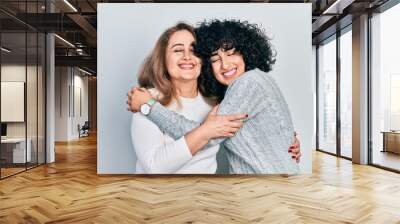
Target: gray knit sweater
261	145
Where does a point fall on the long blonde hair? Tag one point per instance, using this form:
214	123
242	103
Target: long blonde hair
154	73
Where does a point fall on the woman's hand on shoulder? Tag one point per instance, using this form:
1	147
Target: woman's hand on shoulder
137	96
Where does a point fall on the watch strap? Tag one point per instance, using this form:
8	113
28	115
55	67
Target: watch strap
151	102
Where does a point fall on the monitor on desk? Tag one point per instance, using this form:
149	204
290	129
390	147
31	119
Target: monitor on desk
3	130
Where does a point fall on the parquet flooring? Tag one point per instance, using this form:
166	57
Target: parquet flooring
70	191
10	171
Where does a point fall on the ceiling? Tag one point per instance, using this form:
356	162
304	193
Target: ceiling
76	22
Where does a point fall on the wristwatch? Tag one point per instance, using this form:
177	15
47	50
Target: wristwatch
145	109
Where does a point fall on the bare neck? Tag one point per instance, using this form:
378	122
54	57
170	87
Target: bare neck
186	89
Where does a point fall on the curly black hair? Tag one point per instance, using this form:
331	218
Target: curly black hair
247	39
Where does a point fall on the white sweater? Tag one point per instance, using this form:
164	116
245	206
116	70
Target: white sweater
158	153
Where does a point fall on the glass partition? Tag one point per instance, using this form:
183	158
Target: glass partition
13	103
22	78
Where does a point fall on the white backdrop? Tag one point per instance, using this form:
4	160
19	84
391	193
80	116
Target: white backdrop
128	32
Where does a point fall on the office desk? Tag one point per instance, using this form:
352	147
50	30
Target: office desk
391	141
15	148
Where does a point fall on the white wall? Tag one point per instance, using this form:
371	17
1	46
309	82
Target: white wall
67	81
61	103
17	72
12	100
80	83
33	126
128	32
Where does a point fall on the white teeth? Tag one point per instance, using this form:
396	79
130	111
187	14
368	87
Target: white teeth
230	73
186	66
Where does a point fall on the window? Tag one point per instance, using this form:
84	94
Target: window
385	88
327	97
346	94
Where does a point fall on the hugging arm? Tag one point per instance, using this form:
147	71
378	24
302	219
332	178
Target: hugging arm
241	97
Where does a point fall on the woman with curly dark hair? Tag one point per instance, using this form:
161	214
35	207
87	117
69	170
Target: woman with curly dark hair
236	57
232	38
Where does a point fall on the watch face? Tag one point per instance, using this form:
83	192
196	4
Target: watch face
145	109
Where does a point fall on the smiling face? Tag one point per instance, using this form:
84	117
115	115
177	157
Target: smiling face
181	63
227	65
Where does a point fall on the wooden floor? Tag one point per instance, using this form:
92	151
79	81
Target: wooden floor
5	172
70	191
10	171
